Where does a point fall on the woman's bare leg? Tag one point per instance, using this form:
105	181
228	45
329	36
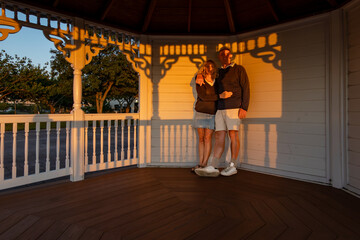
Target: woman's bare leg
207	146
201	133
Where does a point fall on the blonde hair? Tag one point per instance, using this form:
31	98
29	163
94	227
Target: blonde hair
204	69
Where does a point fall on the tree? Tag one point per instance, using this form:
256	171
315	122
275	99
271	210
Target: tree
125	95
21	80
16	76
109	71
61	92
7	82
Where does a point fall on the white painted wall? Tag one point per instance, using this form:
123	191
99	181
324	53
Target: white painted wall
285	131
289	125
352	19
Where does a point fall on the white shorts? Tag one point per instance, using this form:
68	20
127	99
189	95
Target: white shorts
227	119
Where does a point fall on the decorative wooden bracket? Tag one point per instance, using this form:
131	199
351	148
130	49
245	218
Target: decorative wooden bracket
7	22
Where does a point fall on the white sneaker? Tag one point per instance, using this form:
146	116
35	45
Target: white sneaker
230	170
208	171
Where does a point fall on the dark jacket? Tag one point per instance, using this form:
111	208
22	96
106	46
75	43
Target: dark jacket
206	98
233	79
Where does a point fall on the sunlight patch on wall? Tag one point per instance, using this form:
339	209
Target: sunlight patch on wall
175	92
265	77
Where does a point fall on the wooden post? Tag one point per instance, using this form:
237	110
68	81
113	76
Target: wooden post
78	59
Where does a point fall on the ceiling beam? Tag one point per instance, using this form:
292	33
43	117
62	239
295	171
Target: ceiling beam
272	7
189	17
55	3
229	16
149	14
106	9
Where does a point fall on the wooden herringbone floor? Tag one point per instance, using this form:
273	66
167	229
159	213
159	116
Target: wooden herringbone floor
159	203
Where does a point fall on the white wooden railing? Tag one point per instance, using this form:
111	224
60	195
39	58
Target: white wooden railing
35	148
115	139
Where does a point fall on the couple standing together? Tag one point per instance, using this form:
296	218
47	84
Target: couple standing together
223	100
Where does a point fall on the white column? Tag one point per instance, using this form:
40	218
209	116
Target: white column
336	104
77	132
77	152
145	113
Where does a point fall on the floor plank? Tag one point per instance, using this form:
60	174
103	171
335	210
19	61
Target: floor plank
19	227
36	230
160	203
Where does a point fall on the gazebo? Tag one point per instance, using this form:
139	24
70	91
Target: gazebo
303	124
300	57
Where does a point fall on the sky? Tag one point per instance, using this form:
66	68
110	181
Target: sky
29	43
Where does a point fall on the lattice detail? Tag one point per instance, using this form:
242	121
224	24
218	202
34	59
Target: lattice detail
96	39
60	30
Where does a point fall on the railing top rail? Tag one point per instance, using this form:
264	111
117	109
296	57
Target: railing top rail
111	116
22	118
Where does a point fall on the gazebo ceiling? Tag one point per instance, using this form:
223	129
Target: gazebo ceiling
189	17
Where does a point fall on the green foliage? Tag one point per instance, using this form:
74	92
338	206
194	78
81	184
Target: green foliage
4	106
61	91
21	80
109	74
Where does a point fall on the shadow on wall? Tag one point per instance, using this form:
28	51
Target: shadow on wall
174	140
285	129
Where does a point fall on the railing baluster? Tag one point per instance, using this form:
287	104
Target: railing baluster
32	154
26	150
37	162
48	160
128	139
86	143
135	135
14	151
2	131
47	146
116	123
109	141
67	157
94	143
58	128
102	141
122	139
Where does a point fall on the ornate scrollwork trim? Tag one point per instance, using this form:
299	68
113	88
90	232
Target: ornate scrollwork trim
5	21
62	41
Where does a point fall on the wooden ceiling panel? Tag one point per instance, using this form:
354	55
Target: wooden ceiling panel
127	14
298	9
247	20
188	17
212	21
83	8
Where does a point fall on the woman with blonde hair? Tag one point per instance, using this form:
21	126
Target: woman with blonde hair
205	109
